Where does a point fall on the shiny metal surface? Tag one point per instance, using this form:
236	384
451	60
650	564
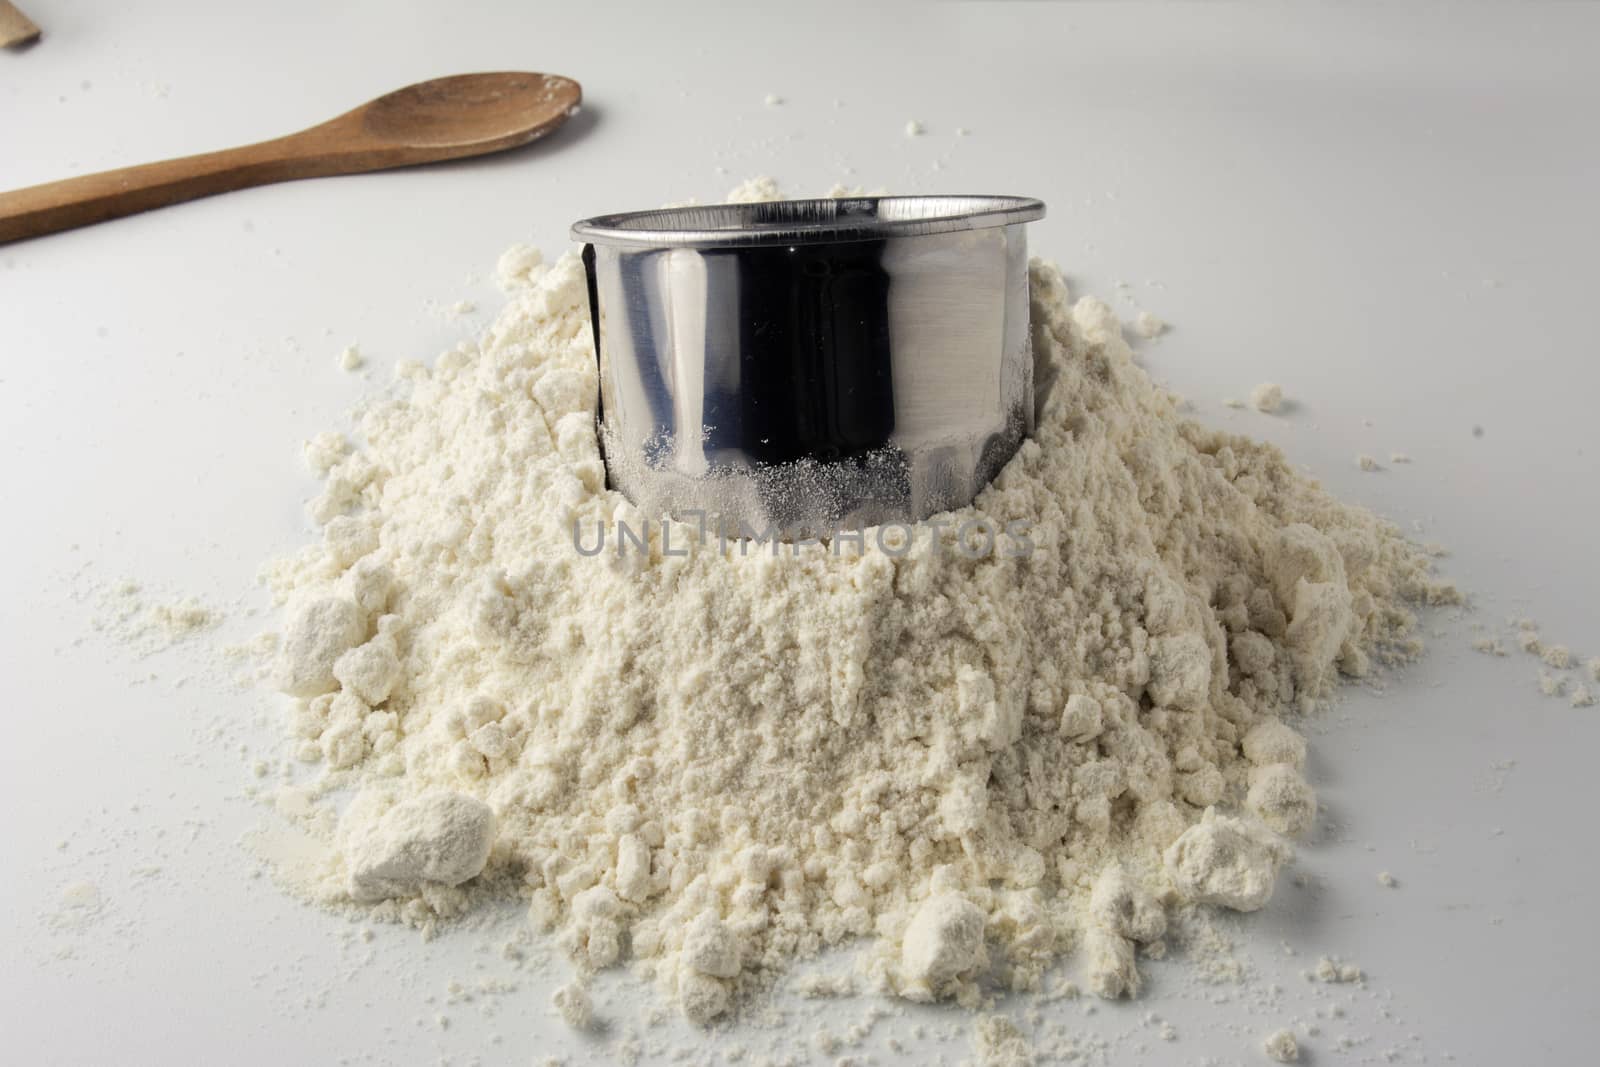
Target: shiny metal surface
812	365
845	218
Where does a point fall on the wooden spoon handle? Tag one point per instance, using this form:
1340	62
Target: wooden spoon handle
62	205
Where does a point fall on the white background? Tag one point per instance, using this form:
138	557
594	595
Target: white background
1391	212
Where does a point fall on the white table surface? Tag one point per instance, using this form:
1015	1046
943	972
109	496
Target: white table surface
1392	213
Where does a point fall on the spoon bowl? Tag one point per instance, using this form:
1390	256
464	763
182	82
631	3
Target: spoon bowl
471	112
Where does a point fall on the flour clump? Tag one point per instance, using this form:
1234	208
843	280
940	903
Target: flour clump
1267	397
1281	1047
572	1003
437	839
1271	741
320	631
943	943
1227	861
710	762
1281	799
1148	326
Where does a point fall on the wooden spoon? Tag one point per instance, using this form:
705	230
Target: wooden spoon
16	29
447	118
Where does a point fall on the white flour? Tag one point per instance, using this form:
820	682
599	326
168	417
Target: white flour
1267	397
1524	634
1148	326
126	613
1282	1047
712	765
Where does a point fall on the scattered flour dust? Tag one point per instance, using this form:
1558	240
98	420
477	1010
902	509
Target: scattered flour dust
126	613
1562	672
713	765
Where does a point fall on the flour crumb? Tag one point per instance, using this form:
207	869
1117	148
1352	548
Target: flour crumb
1329	969
1148	326
754	191
325	451
1558	656
915	129
351	359
1272	741
1226	860
1281	799
1109	960
572	1003
82	905
1267	397
943	944
1582	697
1399	457
437	839
1387	880
816	985
320	631
996	1042
1367	463
773	100
1281	1047
81	895
182	618
519	267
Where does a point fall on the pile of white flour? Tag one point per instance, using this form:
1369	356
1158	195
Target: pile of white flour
714	764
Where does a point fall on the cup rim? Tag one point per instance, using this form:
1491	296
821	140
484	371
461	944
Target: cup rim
825	220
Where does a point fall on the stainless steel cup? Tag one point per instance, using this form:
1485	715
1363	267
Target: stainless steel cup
811	365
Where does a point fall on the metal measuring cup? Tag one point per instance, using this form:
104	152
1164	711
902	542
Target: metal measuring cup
811	365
